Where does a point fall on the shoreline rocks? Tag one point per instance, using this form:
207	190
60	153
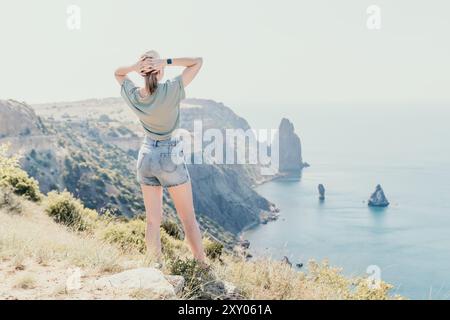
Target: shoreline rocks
245	244
267	216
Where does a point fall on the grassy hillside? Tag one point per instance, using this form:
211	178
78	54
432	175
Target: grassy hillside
41	237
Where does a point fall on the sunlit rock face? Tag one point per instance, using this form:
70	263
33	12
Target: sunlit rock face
18	119
290	150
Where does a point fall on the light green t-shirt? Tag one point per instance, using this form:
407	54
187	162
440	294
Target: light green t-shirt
159	113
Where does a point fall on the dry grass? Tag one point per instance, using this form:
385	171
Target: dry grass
36	236
36	254
268	279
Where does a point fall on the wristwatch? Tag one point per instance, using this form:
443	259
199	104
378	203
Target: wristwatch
169	61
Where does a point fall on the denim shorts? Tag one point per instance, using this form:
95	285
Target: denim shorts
162	163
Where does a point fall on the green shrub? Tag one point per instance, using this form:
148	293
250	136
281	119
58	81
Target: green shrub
128	235
131	235
21	184
213	248
194	274
13	177
67	210
171	247
172	229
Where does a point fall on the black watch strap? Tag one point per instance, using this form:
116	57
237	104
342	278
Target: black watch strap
169	61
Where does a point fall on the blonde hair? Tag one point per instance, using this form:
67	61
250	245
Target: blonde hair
151	80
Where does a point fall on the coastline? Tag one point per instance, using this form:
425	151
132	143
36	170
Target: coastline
240	234
275	211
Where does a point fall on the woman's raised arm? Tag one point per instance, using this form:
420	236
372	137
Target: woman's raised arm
192	65
121	72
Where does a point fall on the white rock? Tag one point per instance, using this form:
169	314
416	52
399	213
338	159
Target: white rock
230	288
149	279
177	282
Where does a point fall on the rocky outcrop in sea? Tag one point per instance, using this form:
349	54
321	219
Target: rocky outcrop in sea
378	198
290	149
321	190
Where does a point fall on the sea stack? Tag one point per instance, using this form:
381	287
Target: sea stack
290	149
321	189
378	199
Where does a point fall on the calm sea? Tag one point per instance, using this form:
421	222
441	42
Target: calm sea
350	150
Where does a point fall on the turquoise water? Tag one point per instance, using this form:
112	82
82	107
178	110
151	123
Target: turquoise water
351	149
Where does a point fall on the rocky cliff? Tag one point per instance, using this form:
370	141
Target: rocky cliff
224	191
18	120
75	147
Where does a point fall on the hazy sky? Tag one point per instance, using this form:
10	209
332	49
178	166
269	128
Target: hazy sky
297	52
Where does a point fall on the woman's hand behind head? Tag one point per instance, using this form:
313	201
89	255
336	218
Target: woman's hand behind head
156	64
144	67
150	66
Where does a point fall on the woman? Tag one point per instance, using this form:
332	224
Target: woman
157	106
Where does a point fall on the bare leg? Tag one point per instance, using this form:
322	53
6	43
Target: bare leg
153	207
182	198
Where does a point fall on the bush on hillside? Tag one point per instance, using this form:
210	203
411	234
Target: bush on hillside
213	248
172	229
13	177
67	210
171	247
128	235
21	184
195	276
